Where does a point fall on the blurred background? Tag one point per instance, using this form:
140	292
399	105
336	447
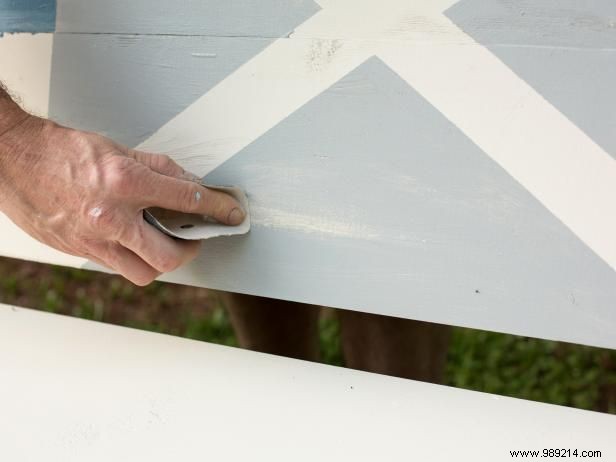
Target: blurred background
552	372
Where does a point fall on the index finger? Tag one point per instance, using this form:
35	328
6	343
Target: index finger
190	197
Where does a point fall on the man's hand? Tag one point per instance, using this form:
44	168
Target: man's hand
84	195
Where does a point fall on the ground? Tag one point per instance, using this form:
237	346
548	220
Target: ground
552	372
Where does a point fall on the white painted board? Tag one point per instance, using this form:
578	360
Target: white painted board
75	390
446	161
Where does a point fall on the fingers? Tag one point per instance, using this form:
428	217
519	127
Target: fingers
158	250
162	164
128	244
124	261
134	268
166	185
190	197
142	253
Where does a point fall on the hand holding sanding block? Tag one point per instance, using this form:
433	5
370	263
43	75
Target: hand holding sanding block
194	227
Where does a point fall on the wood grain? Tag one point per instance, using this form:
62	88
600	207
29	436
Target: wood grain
443	161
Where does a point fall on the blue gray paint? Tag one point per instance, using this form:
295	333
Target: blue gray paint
450	238
27	16
262	18
450	221
565	49
528	23
129	85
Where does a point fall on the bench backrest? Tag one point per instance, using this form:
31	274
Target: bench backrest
445	161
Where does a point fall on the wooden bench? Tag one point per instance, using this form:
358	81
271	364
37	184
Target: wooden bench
432	160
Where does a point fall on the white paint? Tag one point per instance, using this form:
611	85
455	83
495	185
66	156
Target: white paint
326	226
550	156
203	55
95	212
22	245
26	69
75	390
250	101
537	145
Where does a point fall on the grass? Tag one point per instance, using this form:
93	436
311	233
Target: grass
551	372
540	370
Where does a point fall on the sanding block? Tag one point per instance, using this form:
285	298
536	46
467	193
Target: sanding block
194	227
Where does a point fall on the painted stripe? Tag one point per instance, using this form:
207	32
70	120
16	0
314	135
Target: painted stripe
537	145
252	100
509	120
26	69
27	16
264	91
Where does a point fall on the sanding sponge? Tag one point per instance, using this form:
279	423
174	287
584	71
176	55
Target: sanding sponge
194	227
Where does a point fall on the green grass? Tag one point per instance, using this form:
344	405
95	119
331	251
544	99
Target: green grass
552	372
540	370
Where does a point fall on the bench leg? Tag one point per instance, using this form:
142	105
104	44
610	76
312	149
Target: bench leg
393	346
275	326
374	343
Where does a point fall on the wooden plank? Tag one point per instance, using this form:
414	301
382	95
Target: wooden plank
325	238
80	390
378	184
505	22
263	18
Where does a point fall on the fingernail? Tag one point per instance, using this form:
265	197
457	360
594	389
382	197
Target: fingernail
236	216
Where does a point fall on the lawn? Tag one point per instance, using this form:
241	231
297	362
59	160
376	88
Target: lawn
552	372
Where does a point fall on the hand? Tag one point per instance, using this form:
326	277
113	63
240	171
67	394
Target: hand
83	194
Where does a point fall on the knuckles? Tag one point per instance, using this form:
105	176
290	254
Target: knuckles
120	175
164	164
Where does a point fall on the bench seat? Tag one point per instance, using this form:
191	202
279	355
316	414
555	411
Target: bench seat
80	390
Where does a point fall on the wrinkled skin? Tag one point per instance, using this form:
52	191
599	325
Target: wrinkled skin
84	195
